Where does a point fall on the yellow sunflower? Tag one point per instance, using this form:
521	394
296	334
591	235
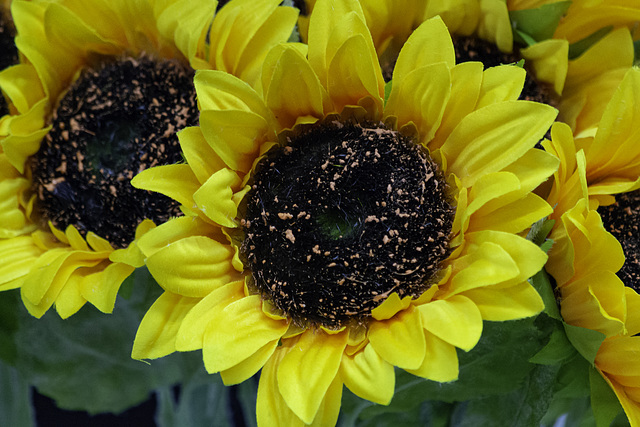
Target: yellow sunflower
103	88
587	261
294	255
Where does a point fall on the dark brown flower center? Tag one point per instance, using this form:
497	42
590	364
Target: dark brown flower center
114	122
340	218
8	52
622	219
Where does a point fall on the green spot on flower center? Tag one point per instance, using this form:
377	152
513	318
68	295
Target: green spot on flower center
115	121
342	217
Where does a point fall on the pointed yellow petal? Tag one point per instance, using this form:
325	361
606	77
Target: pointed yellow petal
308	369
550	62
175	181
196	322
235	136
353	75
292	89
237	331
215	200
512	216
494	24
456	320
497	304
276	29
399	340
157	332
203	161
193	266
429	44
70	298
368	376
172	231
421	98
466	80
494	137
101	283
440	361
501	83
18	82
18	257
248	367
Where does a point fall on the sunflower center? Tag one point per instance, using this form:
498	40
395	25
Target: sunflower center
475	49
621	219
342	217
114	122
8	53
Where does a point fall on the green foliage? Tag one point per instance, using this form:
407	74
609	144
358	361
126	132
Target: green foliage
15	405
535	25
586	341
9	300
387	90
604	402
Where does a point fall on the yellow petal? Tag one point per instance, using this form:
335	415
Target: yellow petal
196	322
271	409
175	181
494	24
100	284
494	137
390	306
235	136
70	299
18	82
549	59
186	23
421	98
429	44
512	216
308	369
172	231
193	266
157	332
368	376
456	320
322	25
353	75
203	161
248	367
466	80
238	330
276	29
440	360
215	197
18	257
399	340
292	89
501	83
497	304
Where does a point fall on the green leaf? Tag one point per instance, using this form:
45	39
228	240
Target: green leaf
636	50
578	48
498	364
586	341
540	230
84	362
10	305
539	23
523	38
573	380
557	350
525	406
541	281
15	405
604	402
387	90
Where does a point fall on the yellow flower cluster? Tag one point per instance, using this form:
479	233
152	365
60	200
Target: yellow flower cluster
342	278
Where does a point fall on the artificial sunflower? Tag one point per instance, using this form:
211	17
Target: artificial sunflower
595	256
331	235
8	50
99	98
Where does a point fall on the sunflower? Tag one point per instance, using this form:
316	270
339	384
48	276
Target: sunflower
295	256
8	50
598	287
98	98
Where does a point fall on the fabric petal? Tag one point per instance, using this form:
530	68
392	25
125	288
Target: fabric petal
193	266
456	320
440	360
248	367
175	181
215	197
497	304
156	336
308	369
369	376
501	83
399	340
237	331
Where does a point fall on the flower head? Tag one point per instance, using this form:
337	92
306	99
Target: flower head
295	256
98	98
